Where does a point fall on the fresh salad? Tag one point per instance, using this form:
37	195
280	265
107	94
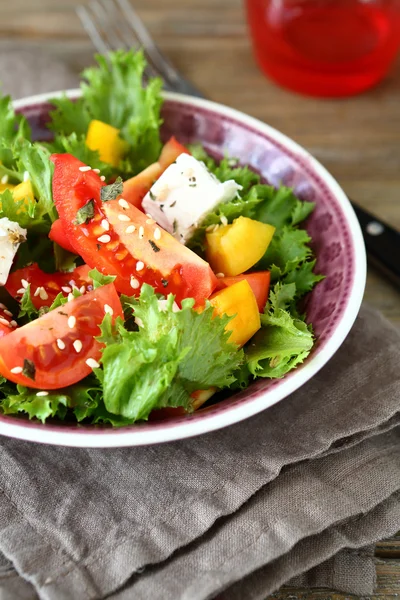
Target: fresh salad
139	279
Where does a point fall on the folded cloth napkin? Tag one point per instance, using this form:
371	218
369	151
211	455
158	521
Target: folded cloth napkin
301	490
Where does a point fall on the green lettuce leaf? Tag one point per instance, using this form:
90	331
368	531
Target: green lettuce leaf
12	127
39	214
283	341
187	350
82	400
113	92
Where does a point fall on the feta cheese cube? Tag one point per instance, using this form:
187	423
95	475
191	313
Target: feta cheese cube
11	236
184	195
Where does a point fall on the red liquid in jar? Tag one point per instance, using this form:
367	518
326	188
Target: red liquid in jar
325	48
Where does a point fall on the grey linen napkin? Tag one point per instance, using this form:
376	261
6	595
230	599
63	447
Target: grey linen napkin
295	491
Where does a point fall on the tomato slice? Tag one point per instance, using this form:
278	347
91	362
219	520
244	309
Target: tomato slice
157	258
57	234
58	346
45	287
137	187
170	152
119	238
7	323
258	281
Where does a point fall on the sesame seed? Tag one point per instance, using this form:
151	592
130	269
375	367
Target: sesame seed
24	283
84	169
141	233
16	370
21	291
123	203
219	275
130	229
96	170
209	228
157	234
93	364
37	292
72	283
2	306
134	283
104	239
105	224
77	345
102	177
4	179
7	312
150	221
224	220
71	321
82	289
42	394
26	176
108	310
139	265
123	218
66	289
148	215
216	227
13	324
70	297
3	321
60	344
43	294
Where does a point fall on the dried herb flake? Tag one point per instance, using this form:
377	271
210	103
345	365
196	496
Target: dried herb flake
154	246
112	191
29	369
85	214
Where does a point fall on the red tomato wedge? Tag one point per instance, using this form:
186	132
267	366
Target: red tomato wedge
45	287
259	283
7	323
59	348
170	152
158	258
119	238
57	234
137	187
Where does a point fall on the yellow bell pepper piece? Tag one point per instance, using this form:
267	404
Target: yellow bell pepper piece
105	138
233	249
23	190
238	299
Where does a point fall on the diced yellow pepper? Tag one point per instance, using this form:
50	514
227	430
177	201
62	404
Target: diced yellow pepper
233	249
23	190
105	138
238	299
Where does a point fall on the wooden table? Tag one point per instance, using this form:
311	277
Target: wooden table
357	139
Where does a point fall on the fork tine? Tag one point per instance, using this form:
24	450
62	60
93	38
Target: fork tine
89	25
166	70
103	29
121	33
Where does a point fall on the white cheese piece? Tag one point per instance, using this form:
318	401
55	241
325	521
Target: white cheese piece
184	195
11	236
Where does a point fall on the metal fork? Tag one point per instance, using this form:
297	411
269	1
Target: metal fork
114	24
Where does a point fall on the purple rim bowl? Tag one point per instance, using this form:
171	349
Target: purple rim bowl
332	306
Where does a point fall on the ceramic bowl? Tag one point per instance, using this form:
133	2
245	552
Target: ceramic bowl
337	241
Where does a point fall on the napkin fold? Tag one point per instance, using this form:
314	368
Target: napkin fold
304	487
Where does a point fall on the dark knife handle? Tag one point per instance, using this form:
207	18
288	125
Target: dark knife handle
382	243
